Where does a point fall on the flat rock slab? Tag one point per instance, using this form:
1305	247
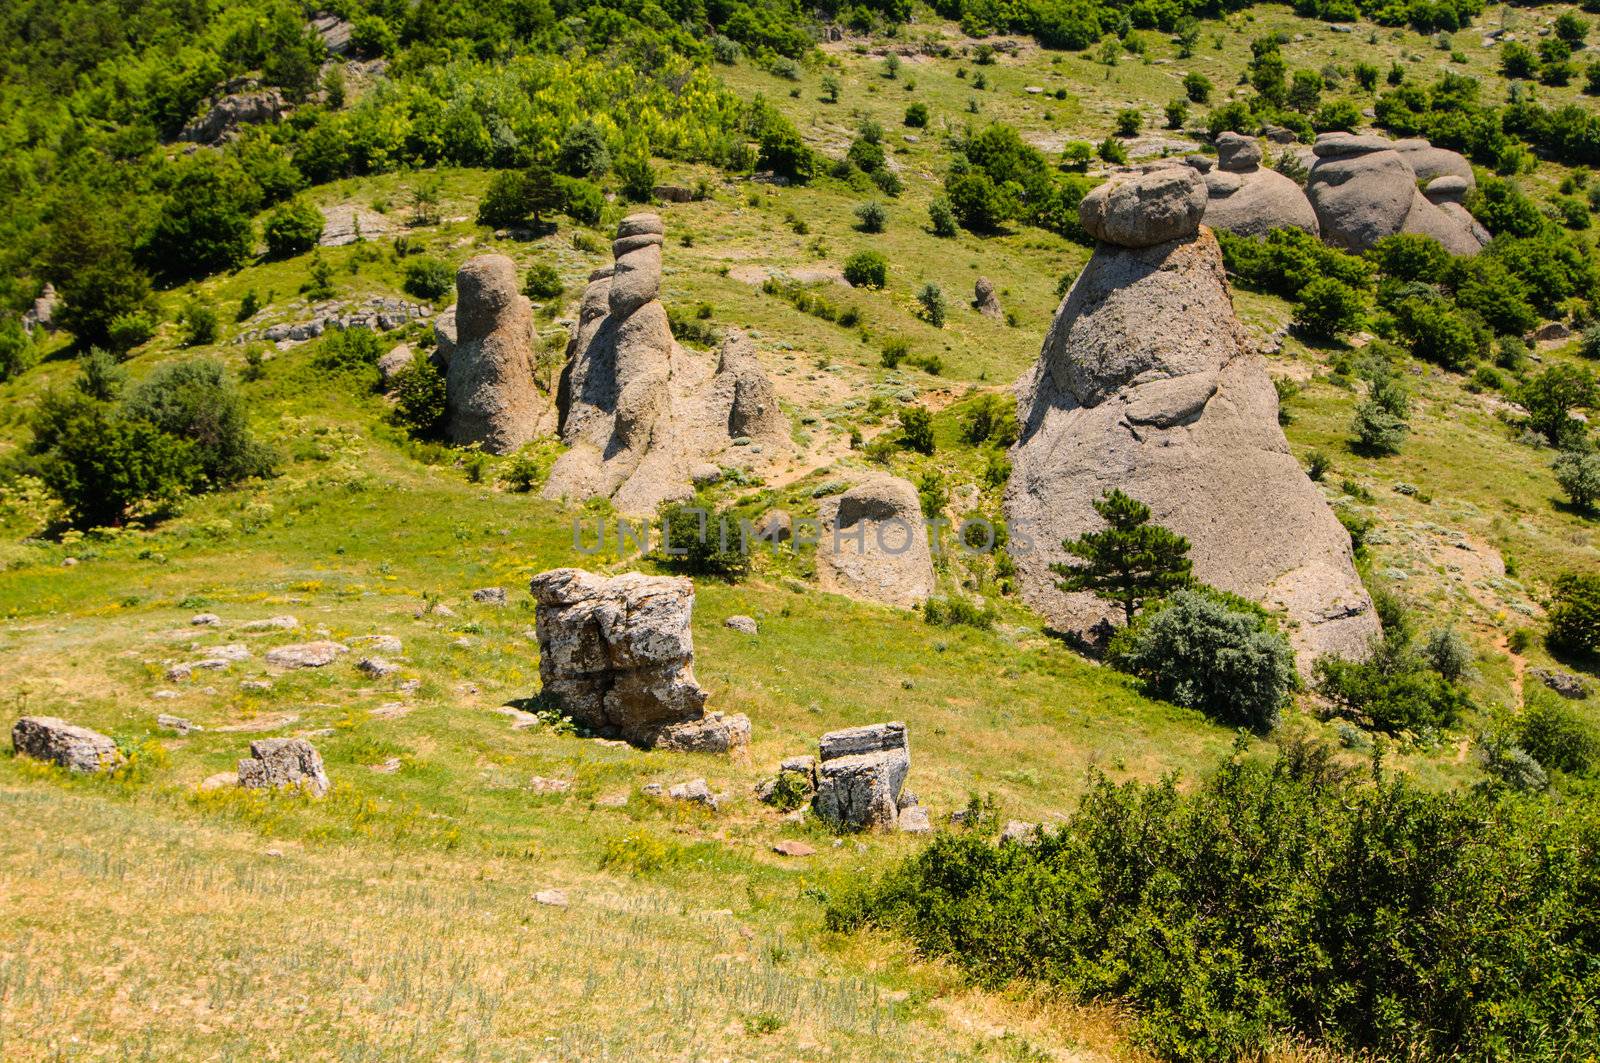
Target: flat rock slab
553	898
791	847
307	654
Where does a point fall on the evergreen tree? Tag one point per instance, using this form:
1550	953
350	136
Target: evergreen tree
1130	562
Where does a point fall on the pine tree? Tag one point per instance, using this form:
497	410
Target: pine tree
1129	562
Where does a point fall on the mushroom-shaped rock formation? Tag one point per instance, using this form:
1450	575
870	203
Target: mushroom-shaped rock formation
1363	190
1147	383
491	397
874	544
638	411
1245	198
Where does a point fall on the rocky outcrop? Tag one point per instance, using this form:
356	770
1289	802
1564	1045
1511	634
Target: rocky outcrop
67	745
1449	194
1363	190
226	115
874	544
1245	198
617	656
861	775
1146	382
43	311
984	299
638	411
491	397
280	763
1430	163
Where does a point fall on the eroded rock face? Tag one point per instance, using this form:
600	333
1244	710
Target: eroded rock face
985	300
1245	198
227	114
1162	205
1147	383
617	655
874	544
638	411
860	776
1363	190
75	748
491	397
276	763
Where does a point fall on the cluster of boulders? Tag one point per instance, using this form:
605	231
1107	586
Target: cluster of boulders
638	412
380	314
857	782
1244	197
617	656
1359	190
1146	382
274	763
318	653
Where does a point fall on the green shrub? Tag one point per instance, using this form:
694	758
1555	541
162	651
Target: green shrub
871	217
894	351
1209	652
106	467
1555	735
931	299
1197	87
917	115
1446	652
1327	308
1111	150
1392	691
1552	395
941	218
1436	333
991	418
17	353
1177	113
197	402
956	611
1574	615
543	282
428	278
292	228
347	350
582	201
866	269
1286	898
1129	120
916	429
583	151
1578	474
699	539
419	391
199	325
128	331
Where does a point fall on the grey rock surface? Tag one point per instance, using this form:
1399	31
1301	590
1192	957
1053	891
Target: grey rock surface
860	776
276	763
1141	210
75	748
491	397
1147	382
874	544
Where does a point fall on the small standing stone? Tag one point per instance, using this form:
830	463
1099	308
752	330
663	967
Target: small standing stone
862	772
985	299
281	762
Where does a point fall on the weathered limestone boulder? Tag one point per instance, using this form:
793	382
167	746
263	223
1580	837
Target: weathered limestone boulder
860	775
985	300
774	526
1164	204
1147	382
66	744
398	359
227	114
1430	163
491	397
43	311
617	655
638	411
874	544
1245	198
277	763
1363	190
1449	194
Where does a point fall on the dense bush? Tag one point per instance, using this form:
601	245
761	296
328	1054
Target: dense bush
866	269
1280	900
1578	473
347	350
1555	735
1574	615
871	217
106	467
197	402
543	282
1444	336
428	278
1206	651
916	429
1328	307
292	228
202	225
1379	425
1551	397
419	393
698	539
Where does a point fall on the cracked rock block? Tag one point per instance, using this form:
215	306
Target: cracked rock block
275	763
861	774
68	745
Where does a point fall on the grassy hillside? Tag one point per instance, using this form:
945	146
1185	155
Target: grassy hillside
396	919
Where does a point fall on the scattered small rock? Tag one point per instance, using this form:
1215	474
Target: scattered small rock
490	595
205	620
791	847
1020	832
176	723
379	644
377	667
272	623
694	790
741	623
388	767
306	654
554	898
913	820
619	799
222	780
1564	683
540	785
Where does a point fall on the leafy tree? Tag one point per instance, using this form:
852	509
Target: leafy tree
637	177
1552	395
1574	615
200	325
1446	652
1437	333
1129	120
1267	70
699	539
516	196
1411	257
1130	562
582	201
866	269
1305	91
203	225
583	151
197	402
17	352
292	228
1177	114
784	153
1578	473
104	466
88	257
419	391
1208	651
1380	424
